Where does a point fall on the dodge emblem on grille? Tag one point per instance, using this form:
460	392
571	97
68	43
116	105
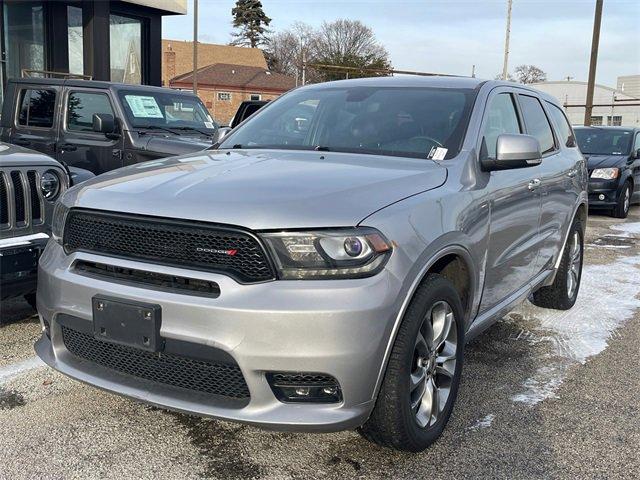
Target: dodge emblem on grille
231	253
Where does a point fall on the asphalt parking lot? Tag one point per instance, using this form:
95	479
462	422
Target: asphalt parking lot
544	394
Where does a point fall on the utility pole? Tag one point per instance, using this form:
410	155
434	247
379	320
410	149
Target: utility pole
473	71
595	41
505	66
195	46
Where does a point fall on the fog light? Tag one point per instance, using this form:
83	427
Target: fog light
304	387
601	197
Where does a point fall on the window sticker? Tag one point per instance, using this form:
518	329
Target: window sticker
143	106
438	153
208	124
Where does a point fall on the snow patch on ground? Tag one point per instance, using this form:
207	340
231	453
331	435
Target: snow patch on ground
14	369
607	298
484	422
627	229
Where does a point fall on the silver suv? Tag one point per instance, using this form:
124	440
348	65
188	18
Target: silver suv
323	268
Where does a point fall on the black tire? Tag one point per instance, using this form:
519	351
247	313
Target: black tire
621	210
31	299
393	423
557	295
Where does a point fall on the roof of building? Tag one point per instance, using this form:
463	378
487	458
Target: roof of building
579	83
239	76
208	54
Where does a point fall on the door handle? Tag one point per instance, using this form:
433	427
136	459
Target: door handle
533	184
22	142
69	147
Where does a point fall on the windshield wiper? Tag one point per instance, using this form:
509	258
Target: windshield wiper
320	148
194	130
157	127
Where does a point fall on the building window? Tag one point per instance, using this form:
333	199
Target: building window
616	122
224	96
81	107
74	33
256	97
36	108
23	37
596	121
125	49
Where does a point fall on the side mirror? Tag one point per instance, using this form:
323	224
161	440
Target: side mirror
514	151
222	132
103	123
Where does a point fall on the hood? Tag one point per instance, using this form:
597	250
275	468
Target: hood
605	161
15	156
261	189
176	144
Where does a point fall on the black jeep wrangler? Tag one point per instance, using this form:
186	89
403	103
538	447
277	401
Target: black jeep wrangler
101	126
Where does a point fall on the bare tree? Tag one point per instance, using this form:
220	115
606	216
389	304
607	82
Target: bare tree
349	43
286	51
529	74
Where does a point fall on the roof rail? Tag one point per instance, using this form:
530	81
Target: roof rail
29	73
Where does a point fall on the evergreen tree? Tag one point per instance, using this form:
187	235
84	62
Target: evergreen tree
249	17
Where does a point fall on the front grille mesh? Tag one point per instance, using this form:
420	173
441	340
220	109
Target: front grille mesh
4	200
36	206
168	369
18	196
169	242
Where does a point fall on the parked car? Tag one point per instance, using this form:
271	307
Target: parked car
321	272
101	126
613	160
30	184
245	110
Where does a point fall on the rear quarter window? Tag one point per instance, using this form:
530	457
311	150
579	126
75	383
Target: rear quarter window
36	108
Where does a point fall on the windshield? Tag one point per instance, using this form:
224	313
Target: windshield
599	141
148	109
409	122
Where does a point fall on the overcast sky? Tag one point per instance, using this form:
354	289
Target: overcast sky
449	36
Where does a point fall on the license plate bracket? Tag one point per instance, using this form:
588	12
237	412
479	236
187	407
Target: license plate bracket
129	323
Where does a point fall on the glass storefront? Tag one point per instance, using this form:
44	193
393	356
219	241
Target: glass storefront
23	26
126	49
74	32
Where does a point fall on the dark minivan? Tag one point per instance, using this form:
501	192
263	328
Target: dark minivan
613	159
101	126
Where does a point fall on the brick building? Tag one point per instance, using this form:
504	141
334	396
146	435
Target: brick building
177	57
223	86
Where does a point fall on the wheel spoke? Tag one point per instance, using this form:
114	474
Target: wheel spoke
446	363
435	402
417	379
442	319
424	407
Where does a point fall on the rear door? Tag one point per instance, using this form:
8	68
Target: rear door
514	203
558	173
35	123
78	144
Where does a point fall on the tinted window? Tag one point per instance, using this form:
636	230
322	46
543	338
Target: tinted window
564	128
537	123
411	122
36	108
501	117
81	107
604	141
636	146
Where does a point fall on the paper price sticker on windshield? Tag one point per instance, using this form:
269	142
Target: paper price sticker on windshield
438	153
143	106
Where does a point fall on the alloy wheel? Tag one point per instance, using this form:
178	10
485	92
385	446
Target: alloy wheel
434	364
575	261
627	199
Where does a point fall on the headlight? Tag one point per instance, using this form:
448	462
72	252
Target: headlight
341	253
605	173
60	212
50	185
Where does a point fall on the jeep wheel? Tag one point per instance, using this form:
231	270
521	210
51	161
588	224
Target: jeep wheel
423	374
621	210
562	294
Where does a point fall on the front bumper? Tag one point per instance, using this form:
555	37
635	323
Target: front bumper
603	193
336	327
19	264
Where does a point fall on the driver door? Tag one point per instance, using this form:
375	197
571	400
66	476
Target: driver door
78	145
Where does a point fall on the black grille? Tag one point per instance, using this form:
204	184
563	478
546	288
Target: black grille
4	200
18	196
168	369
36	207
169	242
301	379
